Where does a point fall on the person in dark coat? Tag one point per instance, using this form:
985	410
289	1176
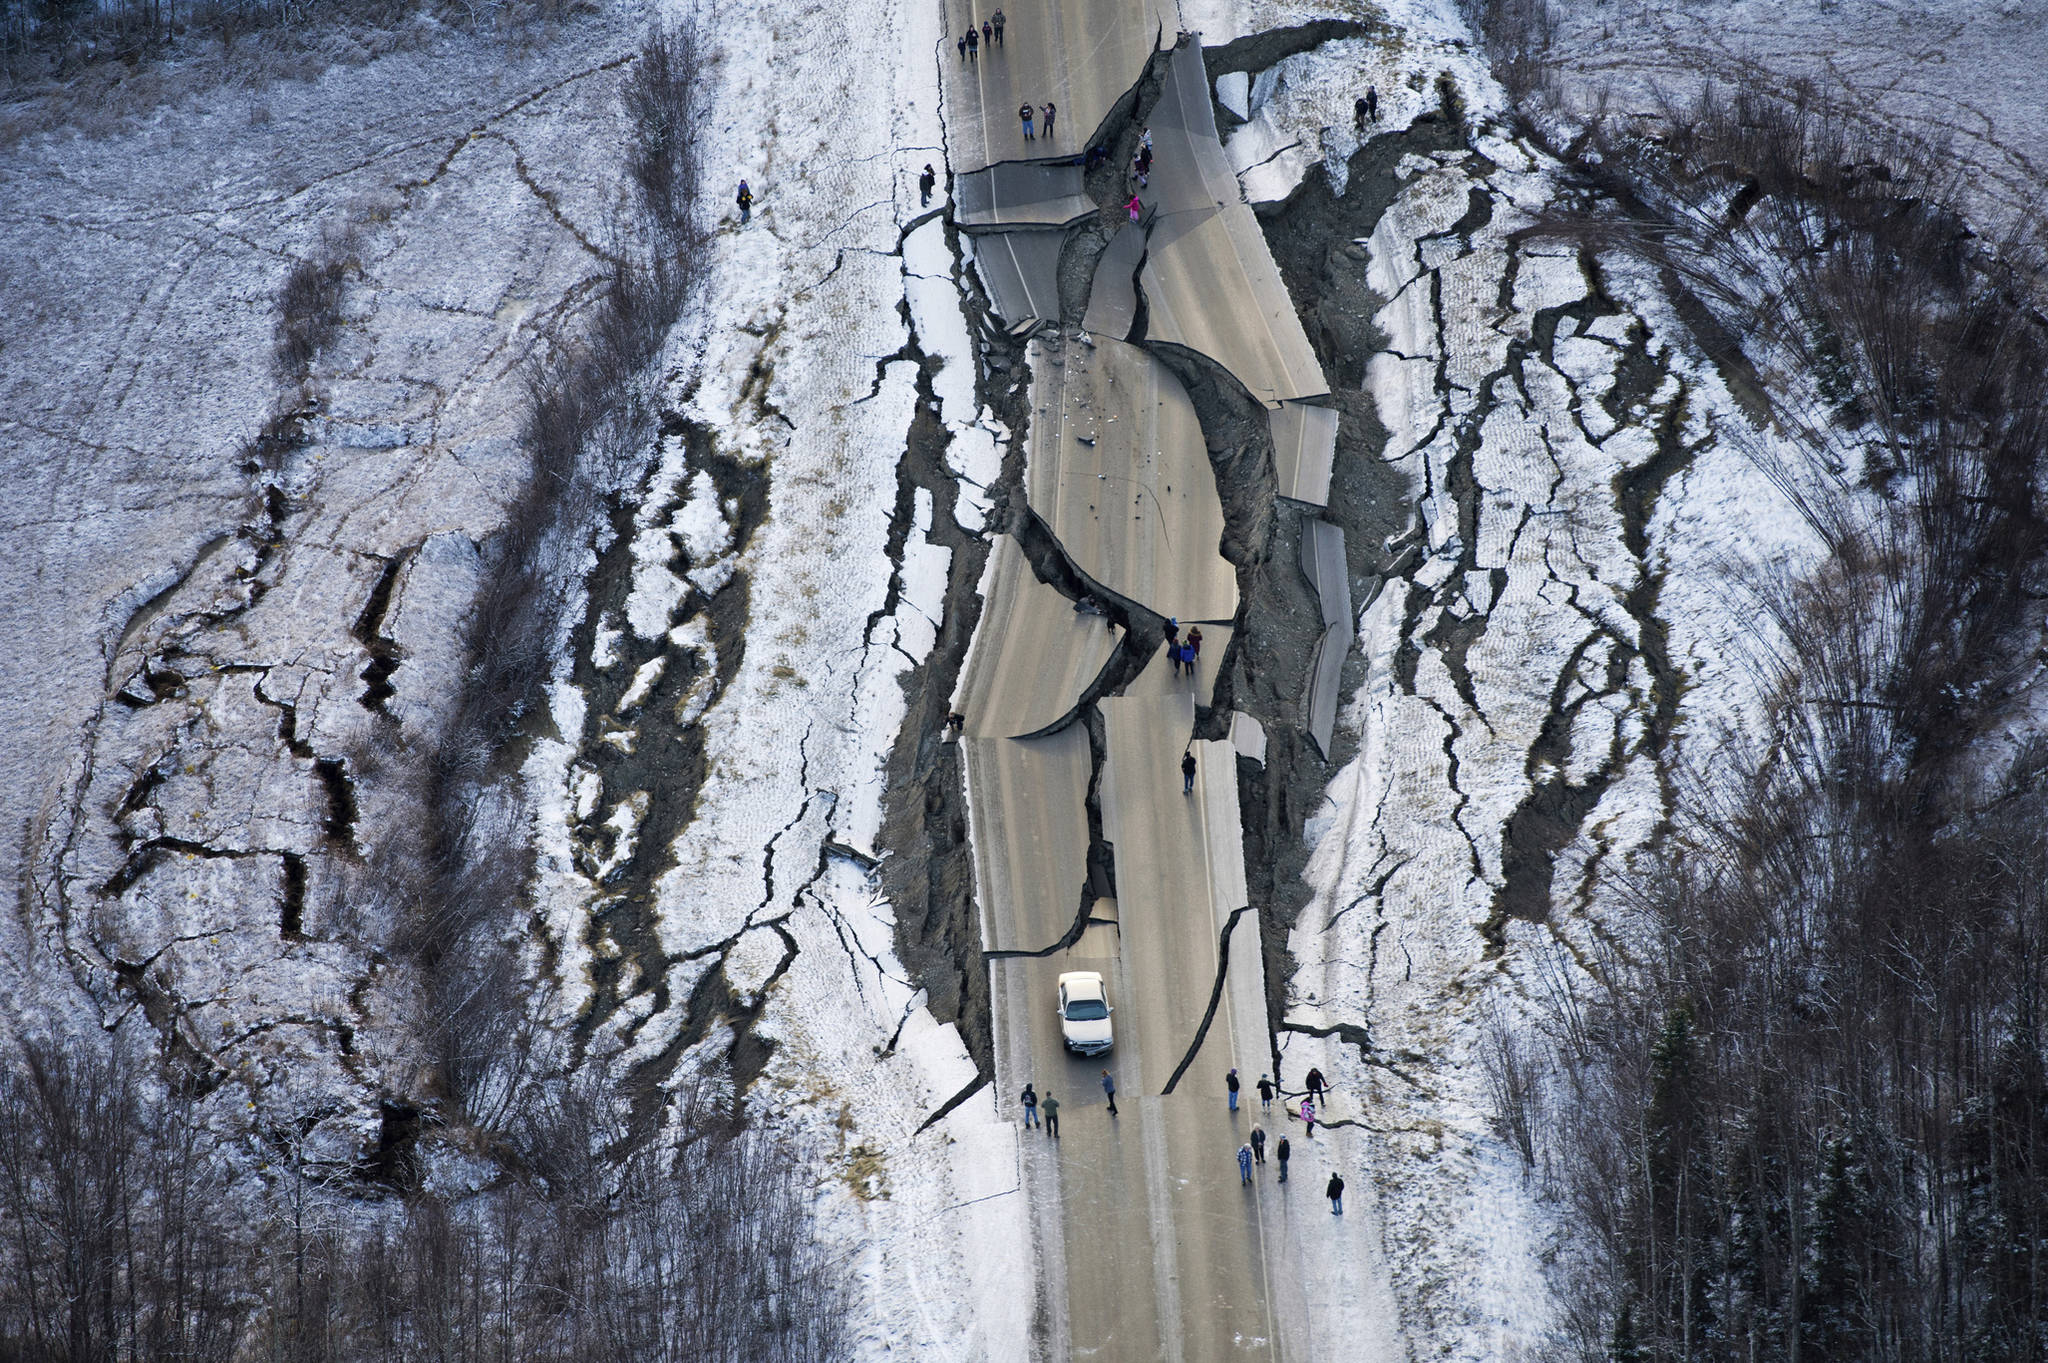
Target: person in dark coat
1315	1085
1024	112
1335	1192
1187	780
1030	1101
1280	1153
973	43
997	20
745	199
1051	1108
1051	112
1265	1087
1259	1144
1109	1090
925	183
1230	1087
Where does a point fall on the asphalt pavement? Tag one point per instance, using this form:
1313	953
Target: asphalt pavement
1148	1246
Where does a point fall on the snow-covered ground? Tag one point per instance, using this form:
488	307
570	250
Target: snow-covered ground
1967	77
185	657
187	633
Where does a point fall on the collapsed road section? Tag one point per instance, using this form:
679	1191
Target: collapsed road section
1106	834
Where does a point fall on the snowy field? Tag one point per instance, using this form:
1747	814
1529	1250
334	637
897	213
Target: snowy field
1968	77
186	650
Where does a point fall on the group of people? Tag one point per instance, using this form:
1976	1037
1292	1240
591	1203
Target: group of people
1050	112
1183	653
1049	1106
1253	1151
1045	1114
990	34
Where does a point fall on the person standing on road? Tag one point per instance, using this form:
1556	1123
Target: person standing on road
1109	1090
1259	1144
1244	1165
1173	631
1030	1100
1265	1087
1051	1105
1308	1117
973	43
925	183
1335	1192
1372	104
1187	787
1024	111
1230	1086
1315	1085
1280	1153
997	20
1051	112
745	199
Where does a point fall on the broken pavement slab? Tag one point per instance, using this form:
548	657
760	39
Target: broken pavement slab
1035	654
1113	292
1304	451
1020	270
1211	287
1118	468
1020	194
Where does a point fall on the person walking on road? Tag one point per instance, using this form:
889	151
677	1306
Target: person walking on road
1109	1090
1187	787
1024	111
1315	1084
1372	104
1259	1144
1265	1087
1308	1117
1230	1086
1173	631
961	43
1136	206
1051	112
1335	1192
1051	1108
1280	1153
1244	1165
1195	642
925	183
988	34
745	199
997	20
1030	1101
973	43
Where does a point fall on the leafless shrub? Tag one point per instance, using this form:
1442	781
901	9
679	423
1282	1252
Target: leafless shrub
110	1203
1797	1127
1517	36
459	882
309	304
1512	1077
122	1237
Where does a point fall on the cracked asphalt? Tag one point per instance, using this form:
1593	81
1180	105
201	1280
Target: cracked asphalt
1088	853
